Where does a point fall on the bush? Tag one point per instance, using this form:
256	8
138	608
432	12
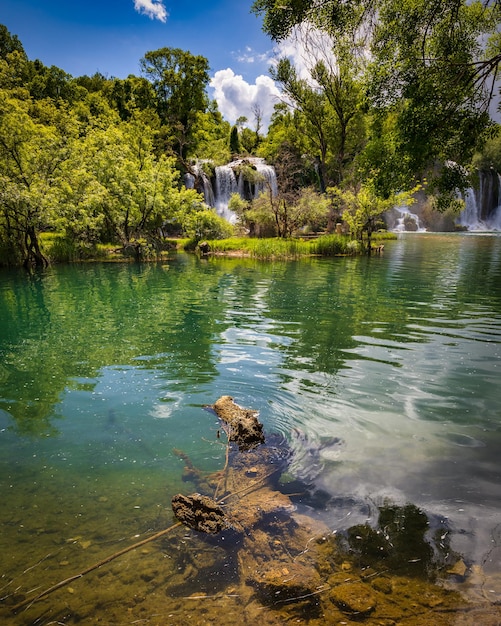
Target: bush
206	224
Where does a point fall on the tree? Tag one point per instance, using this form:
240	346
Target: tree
180	80
129	95
363	209
205	223
119	191
234	141
309	209
257	111
34	144
313	105
434	66
9	43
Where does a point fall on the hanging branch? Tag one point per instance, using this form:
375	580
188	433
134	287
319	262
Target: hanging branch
112	557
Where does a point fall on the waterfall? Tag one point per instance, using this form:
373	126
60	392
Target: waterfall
201	182
407	221
226	183
226	186
469	217
482	211
269	176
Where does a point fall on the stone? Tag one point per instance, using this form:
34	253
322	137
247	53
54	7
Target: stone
285	582
355	598
199	513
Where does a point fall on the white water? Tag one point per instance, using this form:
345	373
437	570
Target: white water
470	216
226	186
407	216
190	179
269	178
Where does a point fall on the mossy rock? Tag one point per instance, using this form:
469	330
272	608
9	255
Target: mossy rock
355	599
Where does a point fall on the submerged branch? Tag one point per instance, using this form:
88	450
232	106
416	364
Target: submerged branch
67	581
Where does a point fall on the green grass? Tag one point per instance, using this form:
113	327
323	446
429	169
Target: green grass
262	248
60	250
276	248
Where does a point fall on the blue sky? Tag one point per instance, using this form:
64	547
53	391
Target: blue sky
111	36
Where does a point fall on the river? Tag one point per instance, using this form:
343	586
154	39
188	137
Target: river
382	375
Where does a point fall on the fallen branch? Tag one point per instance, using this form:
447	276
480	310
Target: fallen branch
67	581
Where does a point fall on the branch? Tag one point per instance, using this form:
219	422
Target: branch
112	557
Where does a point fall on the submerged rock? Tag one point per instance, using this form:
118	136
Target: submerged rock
292	581
199	513
355	599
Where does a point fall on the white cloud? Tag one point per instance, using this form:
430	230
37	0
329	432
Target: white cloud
305	46
154	9
250	56
236	97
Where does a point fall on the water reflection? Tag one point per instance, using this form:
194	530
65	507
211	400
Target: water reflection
382	374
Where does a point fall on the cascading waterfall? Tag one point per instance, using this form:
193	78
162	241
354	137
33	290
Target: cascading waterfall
217	193
407	221
469	217
226	186
269	178
201	182
483	207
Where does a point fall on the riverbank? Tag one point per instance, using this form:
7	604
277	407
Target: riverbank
59	250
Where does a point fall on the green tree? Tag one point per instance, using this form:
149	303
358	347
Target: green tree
313	105
119	191
204	223
179	80
434	67
129	95
210	135
363	209
34	145
234	141
9	43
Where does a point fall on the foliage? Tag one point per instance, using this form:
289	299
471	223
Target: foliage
283	215
364	209
234	141
490	156
179	80
432	71
268	248
82	157
34	146
205	223
333	245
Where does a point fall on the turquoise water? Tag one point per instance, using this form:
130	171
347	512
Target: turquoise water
383	374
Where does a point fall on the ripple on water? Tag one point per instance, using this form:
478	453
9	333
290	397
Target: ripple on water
464	441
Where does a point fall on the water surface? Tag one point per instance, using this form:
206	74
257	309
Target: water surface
383	374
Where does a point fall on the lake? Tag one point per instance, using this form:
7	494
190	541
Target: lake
380	377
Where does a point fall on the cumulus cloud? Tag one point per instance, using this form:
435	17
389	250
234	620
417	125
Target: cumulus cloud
236	97
154	9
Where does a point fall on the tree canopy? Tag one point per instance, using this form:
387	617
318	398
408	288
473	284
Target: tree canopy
426	70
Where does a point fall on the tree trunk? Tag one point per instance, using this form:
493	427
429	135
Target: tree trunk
34	256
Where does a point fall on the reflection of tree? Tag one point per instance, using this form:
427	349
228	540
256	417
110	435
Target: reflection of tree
75	321
399	543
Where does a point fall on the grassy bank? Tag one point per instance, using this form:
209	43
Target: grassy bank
326	245
60	250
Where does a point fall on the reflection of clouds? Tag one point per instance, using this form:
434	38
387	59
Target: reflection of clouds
164	408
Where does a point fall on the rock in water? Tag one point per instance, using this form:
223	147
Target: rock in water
200	513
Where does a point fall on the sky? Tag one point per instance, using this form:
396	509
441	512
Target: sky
111	36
